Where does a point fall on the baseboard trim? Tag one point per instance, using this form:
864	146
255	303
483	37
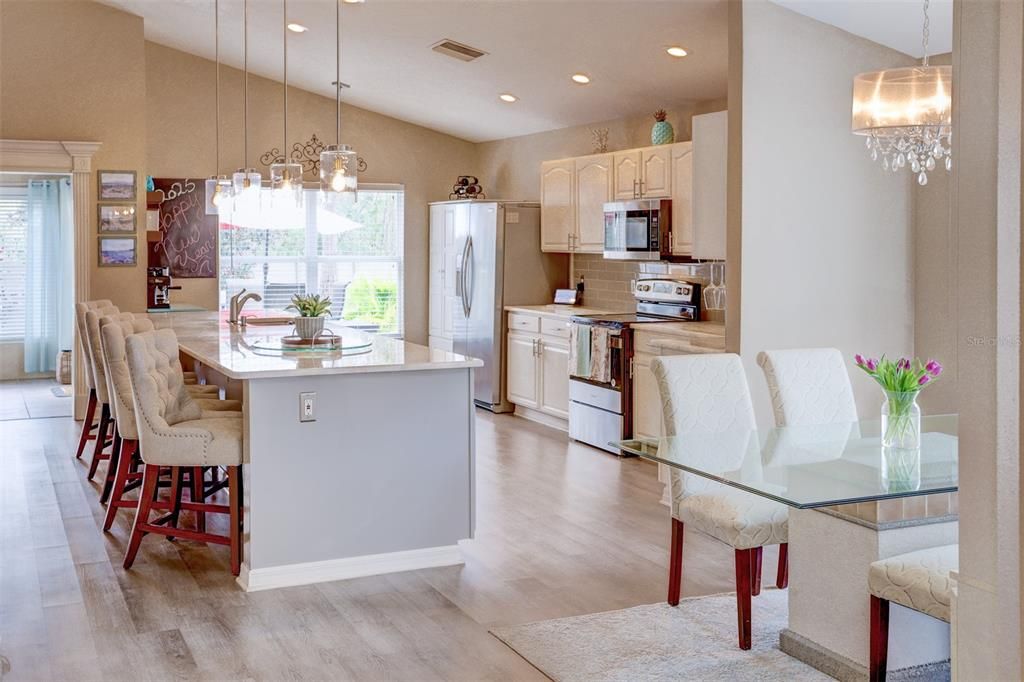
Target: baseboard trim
254	580
542	418
843	669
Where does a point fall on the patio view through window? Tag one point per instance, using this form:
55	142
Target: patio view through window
353	255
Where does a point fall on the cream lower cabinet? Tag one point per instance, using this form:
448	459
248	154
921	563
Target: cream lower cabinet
522	369
537	365
554	377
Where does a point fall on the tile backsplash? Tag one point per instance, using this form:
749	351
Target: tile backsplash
609	282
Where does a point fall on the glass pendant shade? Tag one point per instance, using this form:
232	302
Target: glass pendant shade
906	114
338	169
247	180
286	181
218	192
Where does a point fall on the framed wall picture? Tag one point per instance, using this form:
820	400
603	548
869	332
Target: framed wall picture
116	185
117	252
116	217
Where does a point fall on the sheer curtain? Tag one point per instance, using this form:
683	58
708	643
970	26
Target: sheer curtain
49	273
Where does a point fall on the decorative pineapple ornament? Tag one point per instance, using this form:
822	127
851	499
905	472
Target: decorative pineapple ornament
662	132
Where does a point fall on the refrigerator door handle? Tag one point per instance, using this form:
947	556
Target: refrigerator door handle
461	280
468	272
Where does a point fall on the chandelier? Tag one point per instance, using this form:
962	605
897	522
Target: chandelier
905	114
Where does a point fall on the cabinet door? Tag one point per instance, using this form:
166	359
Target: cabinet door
521	370
646	399
554	378
593	190
656	175
710	153
627	175
682	199
557	205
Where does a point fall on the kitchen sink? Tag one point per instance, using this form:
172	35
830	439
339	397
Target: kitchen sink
267	321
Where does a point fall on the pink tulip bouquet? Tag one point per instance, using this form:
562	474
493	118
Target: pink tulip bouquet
901	380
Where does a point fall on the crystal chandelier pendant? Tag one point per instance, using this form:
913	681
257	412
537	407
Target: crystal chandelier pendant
219	192
286	183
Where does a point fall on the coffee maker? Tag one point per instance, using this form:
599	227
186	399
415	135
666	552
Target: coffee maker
158	286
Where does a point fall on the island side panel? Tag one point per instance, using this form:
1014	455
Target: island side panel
386	467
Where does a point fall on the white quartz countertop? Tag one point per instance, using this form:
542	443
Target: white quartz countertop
247	353
559	310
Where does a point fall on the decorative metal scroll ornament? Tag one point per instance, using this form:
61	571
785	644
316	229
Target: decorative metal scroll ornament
307	154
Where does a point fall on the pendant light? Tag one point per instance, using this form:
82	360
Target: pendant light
218	187
286	178
246	181
338	162
906	114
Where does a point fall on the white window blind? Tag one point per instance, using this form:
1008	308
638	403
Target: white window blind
355	256
13	237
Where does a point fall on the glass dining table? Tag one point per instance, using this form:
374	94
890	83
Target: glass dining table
812	466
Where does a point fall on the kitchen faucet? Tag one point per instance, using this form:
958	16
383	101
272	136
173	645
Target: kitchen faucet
238	301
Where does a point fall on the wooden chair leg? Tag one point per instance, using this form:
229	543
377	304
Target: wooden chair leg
675	563
755	570
197	495
235	511
782	577
124	467
101	440
150	477
177	473
879	639
108	479
744	578
87	425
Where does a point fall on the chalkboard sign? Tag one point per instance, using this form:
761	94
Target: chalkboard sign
188	237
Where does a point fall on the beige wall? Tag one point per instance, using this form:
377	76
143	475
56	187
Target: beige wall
826	233
180	105
75	71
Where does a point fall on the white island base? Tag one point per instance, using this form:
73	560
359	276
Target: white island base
382	481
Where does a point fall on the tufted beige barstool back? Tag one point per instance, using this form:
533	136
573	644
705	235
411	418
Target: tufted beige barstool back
808	386
113	330
80	309
92	335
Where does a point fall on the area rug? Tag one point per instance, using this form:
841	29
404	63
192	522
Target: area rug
693	641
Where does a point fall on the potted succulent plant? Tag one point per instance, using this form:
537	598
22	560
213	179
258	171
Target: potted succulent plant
312	309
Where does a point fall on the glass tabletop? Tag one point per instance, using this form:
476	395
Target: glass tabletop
340	340
813	466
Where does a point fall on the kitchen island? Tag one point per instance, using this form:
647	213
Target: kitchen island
375	476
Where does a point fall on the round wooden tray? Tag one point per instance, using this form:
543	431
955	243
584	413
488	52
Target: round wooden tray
325	341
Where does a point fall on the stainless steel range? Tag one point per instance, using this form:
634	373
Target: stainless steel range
601	360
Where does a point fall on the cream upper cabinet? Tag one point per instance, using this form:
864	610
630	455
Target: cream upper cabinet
627	175
557	205
710	154
593	190
656	175
554	372
521	369
682	198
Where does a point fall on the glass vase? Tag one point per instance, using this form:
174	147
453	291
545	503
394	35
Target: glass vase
901	421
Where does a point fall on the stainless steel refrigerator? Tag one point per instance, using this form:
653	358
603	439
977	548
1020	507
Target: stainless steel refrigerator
498	263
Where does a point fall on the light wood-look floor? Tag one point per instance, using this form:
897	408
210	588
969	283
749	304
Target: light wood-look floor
562	530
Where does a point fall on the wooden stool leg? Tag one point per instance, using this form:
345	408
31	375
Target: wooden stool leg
150	477
196	494
108	479
879	639
782	577
177	473
101	440
124	466
743	592
235	520
675	563
755	570
87	425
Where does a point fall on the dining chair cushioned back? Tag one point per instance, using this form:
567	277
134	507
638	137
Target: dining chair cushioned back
808	386
113	331
80	308
92	336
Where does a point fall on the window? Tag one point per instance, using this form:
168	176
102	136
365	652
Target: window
13	237
354	256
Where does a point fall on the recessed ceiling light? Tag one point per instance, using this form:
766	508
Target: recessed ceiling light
506	97
297	28
676	51
354	2
581	78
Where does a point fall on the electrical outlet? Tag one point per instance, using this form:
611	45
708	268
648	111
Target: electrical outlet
307	407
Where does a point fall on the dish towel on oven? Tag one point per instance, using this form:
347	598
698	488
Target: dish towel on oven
579	350
600	362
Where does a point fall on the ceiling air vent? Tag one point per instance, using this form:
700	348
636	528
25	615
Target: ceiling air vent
459	51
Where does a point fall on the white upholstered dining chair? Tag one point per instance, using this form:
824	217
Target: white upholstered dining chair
808	386
706	394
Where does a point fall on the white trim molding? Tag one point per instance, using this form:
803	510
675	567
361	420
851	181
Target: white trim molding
48	156
254	580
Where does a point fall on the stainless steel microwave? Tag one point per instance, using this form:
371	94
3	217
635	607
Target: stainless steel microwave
637	230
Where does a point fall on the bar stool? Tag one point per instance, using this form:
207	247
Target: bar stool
918	580
88	424
92	337
174	432
120	476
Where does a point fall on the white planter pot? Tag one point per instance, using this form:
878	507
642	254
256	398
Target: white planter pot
308	327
